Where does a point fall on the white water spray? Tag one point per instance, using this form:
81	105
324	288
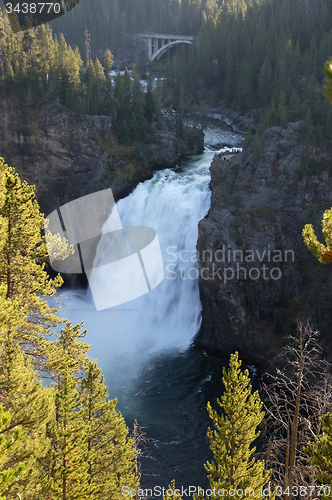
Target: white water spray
168	317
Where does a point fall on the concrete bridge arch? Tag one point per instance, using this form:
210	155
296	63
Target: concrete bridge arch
158	44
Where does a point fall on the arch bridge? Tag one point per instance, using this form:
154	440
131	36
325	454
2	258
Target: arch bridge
158	44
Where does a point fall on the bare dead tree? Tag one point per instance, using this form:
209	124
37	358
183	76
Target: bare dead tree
141	440
87	45
294	399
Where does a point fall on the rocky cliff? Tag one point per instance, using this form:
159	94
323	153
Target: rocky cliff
67	156
256	275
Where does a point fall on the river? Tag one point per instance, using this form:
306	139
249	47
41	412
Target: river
144	346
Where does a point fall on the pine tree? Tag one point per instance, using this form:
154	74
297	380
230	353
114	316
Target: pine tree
138	107
112	465
249	138
108	97
172	493
320	453
234	467
282	110
68	460
22	263
99	81
124	133
127	95
9	442
67	350
66	464
328	80
30	405
108	62
150	105
322	252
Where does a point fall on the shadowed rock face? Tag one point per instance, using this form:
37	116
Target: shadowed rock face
261	200
67	157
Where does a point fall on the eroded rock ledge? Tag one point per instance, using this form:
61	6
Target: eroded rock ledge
261	200
67	156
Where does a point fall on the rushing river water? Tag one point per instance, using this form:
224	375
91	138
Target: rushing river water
143	346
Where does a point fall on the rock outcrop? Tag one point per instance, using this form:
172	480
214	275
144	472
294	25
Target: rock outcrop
67	156
256	275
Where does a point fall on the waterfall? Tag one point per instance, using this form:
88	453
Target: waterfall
168	317
172	203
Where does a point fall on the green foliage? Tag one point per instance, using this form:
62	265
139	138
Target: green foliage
237	201
322	252
31	407
303	167
316	167
235	169
9	442
328	80
108	61
69	458
172	493
112	465
110	22
63	441
259	55
179	131
45	68
150	105
320	453
134	108
249	138
23	277
234	466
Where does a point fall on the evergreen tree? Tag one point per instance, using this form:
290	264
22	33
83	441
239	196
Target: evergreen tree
328	80
138	107
124	133
67	436
9	442
22	262
172	493
322	252
90	81
112	465
67	350
68	460
30	405
320	453
234	467
108	97
127	95
108	61
179	127
66	464
98	83
150	105
249	138
134	129
282	110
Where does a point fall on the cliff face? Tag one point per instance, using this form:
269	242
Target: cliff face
256	275
67	157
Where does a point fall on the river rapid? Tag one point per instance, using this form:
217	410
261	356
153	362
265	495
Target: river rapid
144	346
